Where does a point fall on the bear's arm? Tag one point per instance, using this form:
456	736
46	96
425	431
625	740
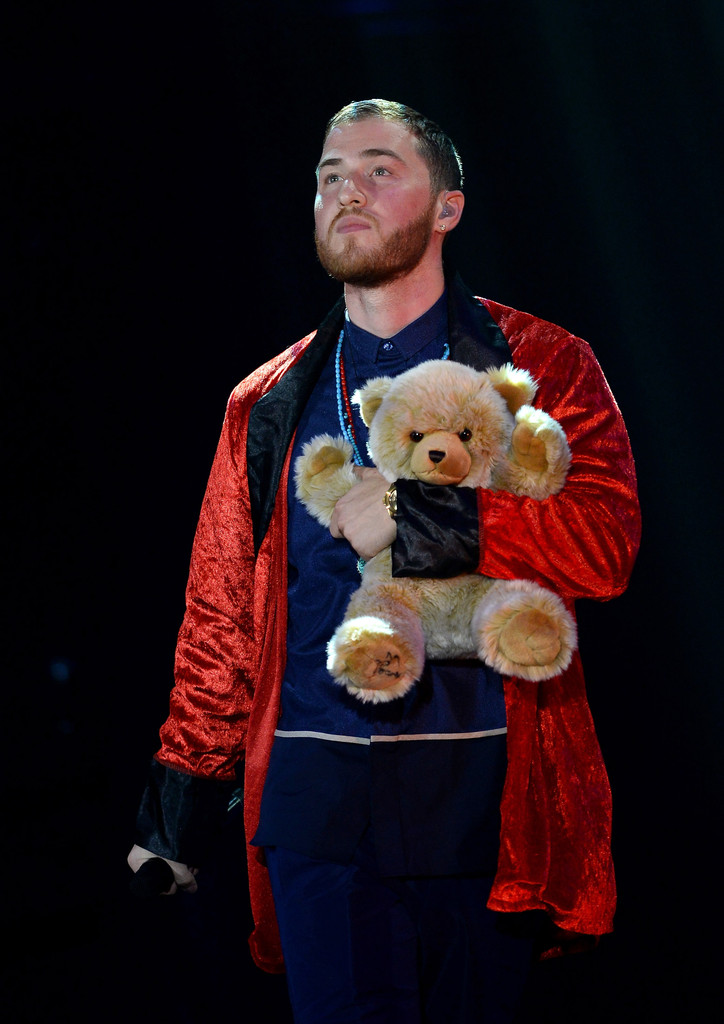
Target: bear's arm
583	541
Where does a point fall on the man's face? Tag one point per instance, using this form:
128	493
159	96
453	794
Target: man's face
374	210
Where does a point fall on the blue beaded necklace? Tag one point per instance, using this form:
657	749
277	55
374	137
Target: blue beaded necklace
344	409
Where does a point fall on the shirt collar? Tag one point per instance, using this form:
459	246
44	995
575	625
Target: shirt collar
407	342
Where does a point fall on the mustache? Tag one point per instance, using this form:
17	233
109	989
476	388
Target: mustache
359	214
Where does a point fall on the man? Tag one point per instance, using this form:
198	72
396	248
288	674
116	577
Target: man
409	878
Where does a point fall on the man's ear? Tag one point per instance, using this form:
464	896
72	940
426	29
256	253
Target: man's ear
450	209
369	398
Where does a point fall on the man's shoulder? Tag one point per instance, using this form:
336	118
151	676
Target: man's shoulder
264	377
519	326
533	340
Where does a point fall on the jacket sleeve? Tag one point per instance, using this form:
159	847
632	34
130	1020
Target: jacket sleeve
581	542
438	531
216	662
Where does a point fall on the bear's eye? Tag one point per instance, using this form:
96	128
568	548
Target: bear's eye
416	436
465	435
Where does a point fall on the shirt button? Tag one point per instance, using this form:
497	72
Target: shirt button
387	346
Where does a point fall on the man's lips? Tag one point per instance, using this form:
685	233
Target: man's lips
347	224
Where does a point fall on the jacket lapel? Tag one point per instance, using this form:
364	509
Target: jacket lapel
273	420
474	337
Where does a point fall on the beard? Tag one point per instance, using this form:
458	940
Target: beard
394	257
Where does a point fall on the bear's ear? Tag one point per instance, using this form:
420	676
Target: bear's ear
516	386
369	398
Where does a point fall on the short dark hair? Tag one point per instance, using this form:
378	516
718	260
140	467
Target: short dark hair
436	148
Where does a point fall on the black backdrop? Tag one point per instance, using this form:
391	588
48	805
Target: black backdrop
158	227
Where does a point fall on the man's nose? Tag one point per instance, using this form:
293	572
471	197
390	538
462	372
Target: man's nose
350	193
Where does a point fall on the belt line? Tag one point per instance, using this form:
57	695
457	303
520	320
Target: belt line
314	735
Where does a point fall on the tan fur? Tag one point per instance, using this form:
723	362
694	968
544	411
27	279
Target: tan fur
516	386
391	625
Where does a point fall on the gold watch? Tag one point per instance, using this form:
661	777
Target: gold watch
390	500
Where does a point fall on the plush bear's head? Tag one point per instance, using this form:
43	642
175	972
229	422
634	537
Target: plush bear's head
442	422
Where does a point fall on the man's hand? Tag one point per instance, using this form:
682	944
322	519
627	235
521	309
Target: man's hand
183	875
360	515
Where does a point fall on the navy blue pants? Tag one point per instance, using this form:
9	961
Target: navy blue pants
359	947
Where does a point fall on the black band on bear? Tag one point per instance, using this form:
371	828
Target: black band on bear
438	530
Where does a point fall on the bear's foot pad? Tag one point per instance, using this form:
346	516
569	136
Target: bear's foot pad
371	663
372	668
530	638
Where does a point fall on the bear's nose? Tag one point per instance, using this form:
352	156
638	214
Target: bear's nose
436	456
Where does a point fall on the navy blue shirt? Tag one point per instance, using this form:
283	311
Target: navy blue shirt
426	770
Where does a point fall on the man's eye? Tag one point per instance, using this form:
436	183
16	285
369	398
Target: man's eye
332	178
465	435
380	170
416	436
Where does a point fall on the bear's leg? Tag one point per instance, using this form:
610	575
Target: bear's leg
524	630
377	656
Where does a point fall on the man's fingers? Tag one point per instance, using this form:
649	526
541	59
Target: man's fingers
187	880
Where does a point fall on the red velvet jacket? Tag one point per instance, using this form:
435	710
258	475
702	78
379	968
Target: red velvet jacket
556	809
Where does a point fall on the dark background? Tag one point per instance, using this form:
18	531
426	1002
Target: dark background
158	224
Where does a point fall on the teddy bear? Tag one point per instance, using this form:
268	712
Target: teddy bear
445	423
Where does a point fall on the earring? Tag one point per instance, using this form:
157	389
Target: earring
442	227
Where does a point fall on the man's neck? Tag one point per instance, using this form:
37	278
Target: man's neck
385	310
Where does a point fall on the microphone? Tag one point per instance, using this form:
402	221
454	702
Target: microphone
153	878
